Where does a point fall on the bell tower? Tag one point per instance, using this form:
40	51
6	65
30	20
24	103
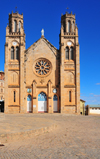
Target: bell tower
14	64
69	65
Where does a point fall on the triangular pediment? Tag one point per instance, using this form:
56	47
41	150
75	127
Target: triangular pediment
42	41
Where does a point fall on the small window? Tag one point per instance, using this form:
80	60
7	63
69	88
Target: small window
69	96
15	26
12	53
67	53
14	96
71	53
17	53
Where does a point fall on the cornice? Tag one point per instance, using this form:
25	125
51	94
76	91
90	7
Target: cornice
69	86
13	86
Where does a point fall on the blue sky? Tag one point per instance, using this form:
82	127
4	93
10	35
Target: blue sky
46	14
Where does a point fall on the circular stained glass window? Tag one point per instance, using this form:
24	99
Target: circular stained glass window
42	67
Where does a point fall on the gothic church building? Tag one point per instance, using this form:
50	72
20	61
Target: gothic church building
42	78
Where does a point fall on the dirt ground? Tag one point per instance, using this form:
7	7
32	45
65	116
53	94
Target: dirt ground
76	137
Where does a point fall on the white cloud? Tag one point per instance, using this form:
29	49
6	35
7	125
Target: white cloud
96	95
91	98
97	83
91	93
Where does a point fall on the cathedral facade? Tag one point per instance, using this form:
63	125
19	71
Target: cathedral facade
42	78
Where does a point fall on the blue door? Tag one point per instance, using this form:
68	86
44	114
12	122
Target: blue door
42	102
29	103
55	103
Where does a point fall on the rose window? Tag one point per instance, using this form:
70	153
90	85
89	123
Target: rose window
42	67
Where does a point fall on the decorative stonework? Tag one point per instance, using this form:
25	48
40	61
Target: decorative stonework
69	66
42	67
13	66
42	81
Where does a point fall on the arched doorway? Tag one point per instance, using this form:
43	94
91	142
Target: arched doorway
42	102
29	105
55	103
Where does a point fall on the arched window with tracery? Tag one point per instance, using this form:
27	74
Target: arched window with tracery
71	53
17	53
67	53
15	26
69	26
19	26
12	53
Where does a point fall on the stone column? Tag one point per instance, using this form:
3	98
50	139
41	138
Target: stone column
22	107
34	98
6	79
77	80
50	104
62	76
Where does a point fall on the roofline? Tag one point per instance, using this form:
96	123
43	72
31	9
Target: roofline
82	100
37	41
95	106
2	71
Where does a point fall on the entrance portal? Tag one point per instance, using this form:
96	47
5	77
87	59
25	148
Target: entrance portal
29	101
42	102
55	103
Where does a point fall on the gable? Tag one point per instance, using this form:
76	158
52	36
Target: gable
40	47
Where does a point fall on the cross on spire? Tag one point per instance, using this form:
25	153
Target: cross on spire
16	9
67	9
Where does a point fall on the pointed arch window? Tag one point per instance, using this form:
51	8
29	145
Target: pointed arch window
71	53
64	26
69	26
73	26
12	53
17	53
67	53
19	26
10	26
15	26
